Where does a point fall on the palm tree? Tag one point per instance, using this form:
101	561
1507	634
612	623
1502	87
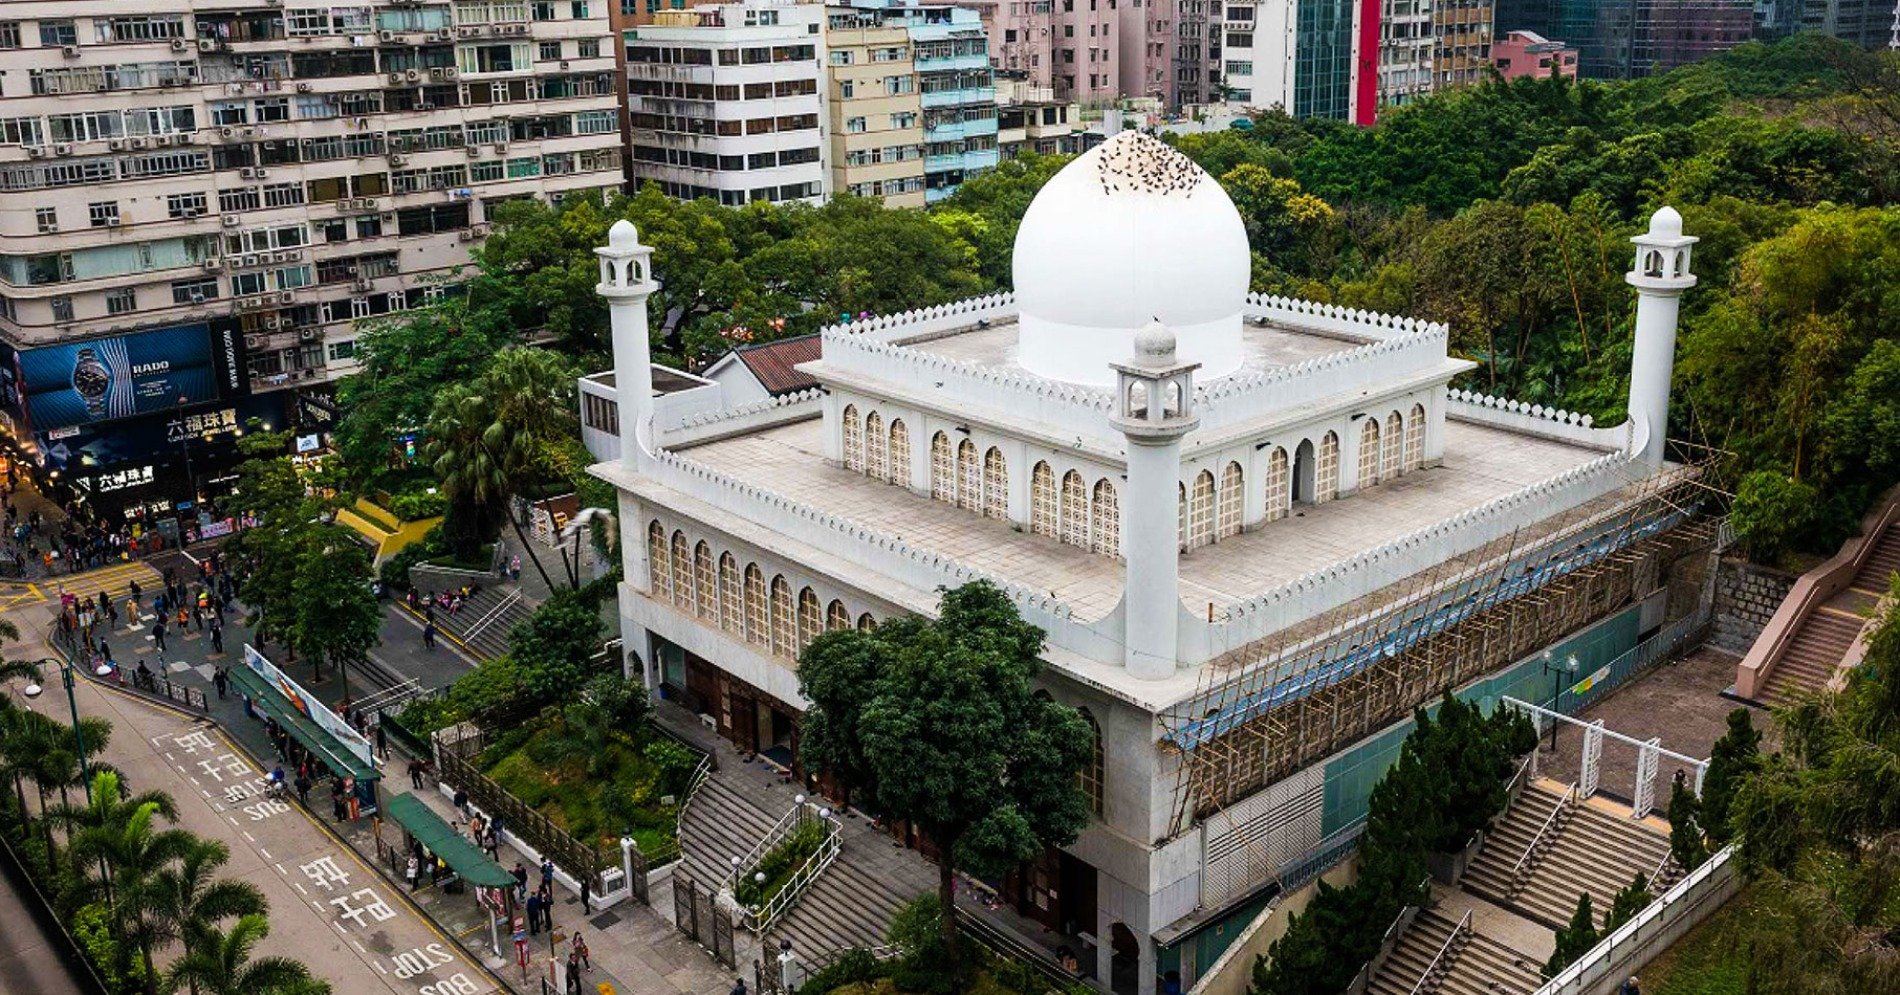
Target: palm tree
120	857
184	903
218	962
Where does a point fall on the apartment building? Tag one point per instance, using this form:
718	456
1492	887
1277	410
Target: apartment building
1461	41
1076	46
1406	42
724	102
1200	74
200	198
1029	118
1295	55
874	110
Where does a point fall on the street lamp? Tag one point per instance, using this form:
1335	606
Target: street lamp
1557	672
33	690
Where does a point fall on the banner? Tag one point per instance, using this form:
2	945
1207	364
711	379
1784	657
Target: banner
97	380
1583	686
312	709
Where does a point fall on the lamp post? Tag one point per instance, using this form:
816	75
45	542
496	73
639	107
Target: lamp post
1557	672
79	737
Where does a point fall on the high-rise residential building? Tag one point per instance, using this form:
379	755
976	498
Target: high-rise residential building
202	198
1405	50
1296	55
724	102
1615	39
1031	119
1461	41
873	109
1075	46
1199	71
1871	23
1527	53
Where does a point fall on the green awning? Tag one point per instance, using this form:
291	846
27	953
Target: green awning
463	857
314	737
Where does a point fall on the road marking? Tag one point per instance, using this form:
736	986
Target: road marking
380	969
248	838
231	820
358	945
299	887
264	853
280	870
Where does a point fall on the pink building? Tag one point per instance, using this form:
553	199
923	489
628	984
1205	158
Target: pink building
1077	47
1527	53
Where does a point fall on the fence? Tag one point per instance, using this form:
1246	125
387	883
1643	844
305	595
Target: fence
698	915
518	819
1003	945
1625	951
760	918
1653	650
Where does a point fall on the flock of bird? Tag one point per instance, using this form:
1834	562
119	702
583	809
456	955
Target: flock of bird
1138	163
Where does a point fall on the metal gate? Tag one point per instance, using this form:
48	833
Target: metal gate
686	906
638	864
722	936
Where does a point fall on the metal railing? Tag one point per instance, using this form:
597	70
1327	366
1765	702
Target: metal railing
673	849
760	918
508	601
1003	945
1552	823
1661	869
1688	902
1464	923
519	819
1387	943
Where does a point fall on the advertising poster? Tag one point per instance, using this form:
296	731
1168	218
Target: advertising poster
97	380
312	709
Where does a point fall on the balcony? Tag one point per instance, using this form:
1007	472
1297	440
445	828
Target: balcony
953	98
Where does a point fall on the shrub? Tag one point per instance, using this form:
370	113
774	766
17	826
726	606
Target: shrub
412	506
917	930
395	571
852	967
675	762
780	863
1772	512
117	964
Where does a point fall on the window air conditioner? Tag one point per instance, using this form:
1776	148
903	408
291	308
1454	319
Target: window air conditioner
69	51
230	220
306	335
178	45
197	298
62	150
303	88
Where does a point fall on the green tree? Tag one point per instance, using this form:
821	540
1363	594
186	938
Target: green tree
406	359
121	854
1771	513
1575	939
1634	898
951	736
552	648
1863	422
186	902
1731	759
219	962
1686	844
337	617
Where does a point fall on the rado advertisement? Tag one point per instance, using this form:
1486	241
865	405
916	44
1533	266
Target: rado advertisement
121	377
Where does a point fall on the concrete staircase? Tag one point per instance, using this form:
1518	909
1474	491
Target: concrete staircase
1813	655
1474	965
1490	874
487	617
1803	655
1587	850
849	905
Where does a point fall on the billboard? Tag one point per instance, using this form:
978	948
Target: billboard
307	704
80	383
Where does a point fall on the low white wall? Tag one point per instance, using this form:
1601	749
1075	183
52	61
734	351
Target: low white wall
1233	972
1638	941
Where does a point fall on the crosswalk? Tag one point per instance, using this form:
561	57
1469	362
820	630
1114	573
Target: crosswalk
115	580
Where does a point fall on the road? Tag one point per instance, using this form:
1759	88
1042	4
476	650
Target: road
328	909
30	964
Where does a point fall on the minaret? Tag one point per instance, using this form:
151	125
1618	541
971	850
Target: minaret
626	280
1660	275
1154	408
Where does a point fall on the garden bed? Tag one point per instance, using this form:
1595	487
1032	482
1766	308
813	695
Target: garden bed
780	864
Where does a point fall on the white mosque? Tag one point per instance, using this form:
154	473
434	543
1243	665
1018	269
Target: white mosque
1251	527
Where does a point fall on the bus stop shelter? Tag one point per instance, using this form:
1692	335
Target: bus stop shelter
313	737
464	859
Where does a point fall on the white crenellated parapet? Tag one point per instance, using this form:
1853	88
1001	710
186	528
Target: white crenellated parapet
699	426
1331	319
1532	419
1342	582
1246	396
886	554
928	321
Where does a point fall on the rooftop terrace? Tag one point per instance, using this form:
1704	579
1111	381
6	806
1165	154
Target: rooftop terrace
1267	346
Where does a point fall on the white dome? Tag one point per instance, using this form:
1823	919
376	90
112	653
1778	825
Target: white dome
1130	232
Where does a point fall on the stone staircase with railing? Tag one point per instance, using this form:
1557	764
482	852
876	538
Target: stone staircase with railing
1589	851
1471	963
1516	843
487	616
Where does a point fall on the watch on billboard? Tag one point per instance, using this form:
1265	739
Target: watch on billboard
119	377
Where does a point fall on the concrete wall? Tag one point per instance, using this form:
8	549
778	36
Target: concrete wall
1231	974
1746	596
1637	942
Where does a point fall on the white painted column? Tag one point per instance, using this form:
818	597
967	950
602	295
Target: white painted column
1152	599
626	281
1660	275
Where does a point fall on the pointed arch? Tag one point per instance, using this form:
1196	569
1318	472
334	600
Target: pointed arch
1201	510
1369	452
995	485
682	573
1326	472
1075	509
853	439
659	563
757	618
1279	493
943	473
705	586
900	453
866	623
875	441
784	619
1042	500
731	597
1228	508
811	618
1415	439
1092	777
969	477
837	616
1105	516
1392	447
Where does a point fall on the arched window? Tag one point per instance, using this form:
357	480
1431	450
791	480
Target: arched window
995	485
1279	497
1201	510
1090	777
784	620
943	474
682	573
1369	452
874	446
853	439
1137	399
969	477
1042	500
1415	438
731	598
1105	516
659	565
866	623
837	617
1653	263
757	621
1326	473
900	453
705	583
811	618
1392	457
1075	510
1227	519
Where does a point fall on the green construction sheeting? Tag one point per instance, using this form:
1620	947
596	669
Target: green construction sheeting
455	850
314	737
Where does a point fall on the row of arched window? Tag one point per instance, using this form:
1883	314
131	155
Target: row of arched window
739	599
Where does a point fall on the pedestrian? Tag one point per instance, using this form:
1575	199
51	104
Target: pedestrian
514	566
573	974
534	914
587	895
158	634
336	800
738	986
221	681
217	641
580	948
461	802
1630	987
521	879
547	874
414	874
303	787
415	774
428	635
382	740
547	909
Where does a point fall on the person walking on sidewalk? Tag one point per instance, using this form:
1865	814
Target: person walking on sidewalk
415	775
382	740
217	640
428	636
158	634
573	974
580	950
220	681
534	914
